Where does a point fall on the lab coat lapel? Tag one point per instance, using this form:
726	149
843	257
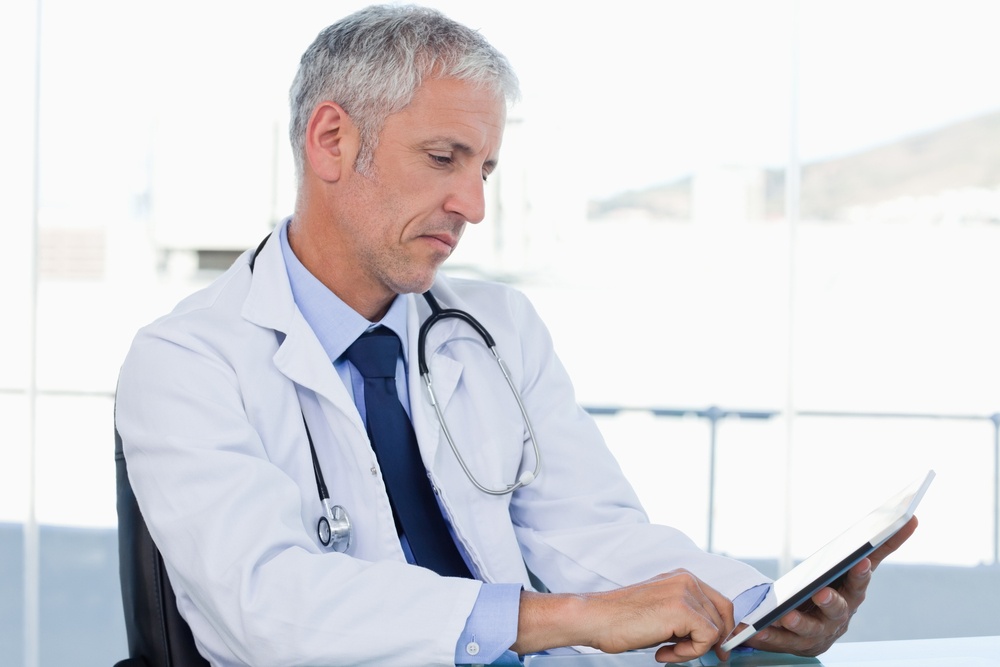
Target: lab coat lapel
300	356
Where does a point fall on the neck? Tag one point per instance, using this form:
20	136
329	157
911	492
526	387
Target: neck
323	256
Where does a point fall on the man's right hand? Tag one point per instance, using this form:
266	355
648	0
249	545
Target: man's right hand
672	607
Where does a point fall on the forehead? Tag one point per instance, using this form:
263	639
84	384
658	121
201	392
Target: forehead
451	109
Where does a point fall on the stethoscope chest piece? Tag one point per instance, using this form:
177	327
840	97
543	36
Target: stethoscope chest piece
334	529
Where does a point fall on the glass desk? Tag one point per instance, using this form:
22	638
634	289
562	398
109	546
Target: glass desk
952	652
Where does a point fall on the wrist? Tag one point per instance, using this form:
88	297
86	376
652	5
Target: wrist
551	620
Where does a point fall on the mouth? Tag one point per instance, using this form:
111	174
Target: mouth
445	240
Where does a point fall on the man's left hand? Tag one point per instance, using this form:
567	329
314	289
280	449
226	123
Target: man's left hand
813	628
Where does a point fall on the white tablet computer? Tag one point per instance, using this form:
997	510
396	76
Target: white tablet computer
836	558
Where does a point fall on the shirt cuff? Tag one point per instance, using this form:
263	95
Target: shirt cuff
748	600
491	627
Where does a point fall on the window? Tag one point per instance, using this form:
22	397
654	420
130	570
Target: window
641	203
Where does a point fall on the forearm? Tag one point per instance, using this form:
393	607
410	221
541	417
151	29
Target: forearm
672	607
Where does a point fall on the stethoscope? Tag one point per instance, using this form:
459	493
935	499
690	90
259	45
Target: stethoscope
439	314
334	528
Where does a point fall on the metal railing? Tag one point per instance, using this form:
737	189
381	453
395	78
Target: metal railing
714	415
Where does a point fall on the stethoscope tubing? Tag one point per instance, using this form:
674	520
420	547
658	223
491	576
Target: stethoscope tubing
334	528
439	314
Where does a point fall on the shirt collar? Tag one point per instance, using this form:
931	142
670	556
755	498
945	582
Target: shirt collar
335	324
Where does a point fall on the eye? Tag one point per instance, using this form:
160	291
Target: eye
440	160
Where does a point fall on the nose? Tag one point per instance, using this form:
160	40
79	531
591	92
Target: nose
468	198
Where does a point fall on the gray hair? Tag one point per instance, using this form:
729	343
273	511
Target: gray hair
372	62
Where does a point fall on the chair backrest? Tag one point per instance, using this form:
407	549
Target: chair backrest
157	635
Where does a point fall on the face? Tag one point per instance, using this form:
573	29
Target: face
404	218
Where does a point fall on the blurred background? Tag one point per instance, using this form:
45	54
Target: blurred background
765	237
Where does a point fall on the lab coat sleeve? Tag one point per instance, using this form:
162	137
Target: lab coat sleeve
580	525
228	523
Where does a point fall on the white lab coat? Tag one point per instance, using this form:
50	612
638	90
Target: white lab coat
210	405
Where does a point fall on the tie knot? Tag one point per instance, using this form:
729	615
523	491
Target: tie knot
374	353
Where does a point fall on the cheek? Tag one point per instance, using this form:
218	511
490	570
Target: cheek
379	215
394	208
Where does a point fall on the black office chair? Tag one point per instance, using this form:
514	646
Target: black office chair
157	635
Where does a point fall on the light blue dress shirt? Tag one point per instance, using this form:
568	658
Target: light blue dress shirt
492	626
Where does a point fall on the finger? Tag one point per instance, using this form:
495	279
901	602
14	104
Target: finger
808	632
893	542
697	644
777	640
724	655
830	607
828	616
675	653
706	602
718	608
709	623
725	608
794	633
855	585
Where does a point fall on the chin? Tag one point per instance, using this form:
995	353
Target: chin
415	285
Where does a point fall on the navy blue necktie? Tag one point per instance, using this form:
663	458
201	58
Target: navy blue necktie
417	514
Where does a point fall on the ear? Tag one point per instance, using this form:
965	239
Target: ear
331	142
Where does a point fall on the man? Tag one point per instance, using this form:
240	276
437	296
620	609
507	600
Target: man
397	119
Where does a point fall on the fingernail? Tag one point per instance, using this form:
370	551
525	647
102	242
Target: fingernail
824	598
793	620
